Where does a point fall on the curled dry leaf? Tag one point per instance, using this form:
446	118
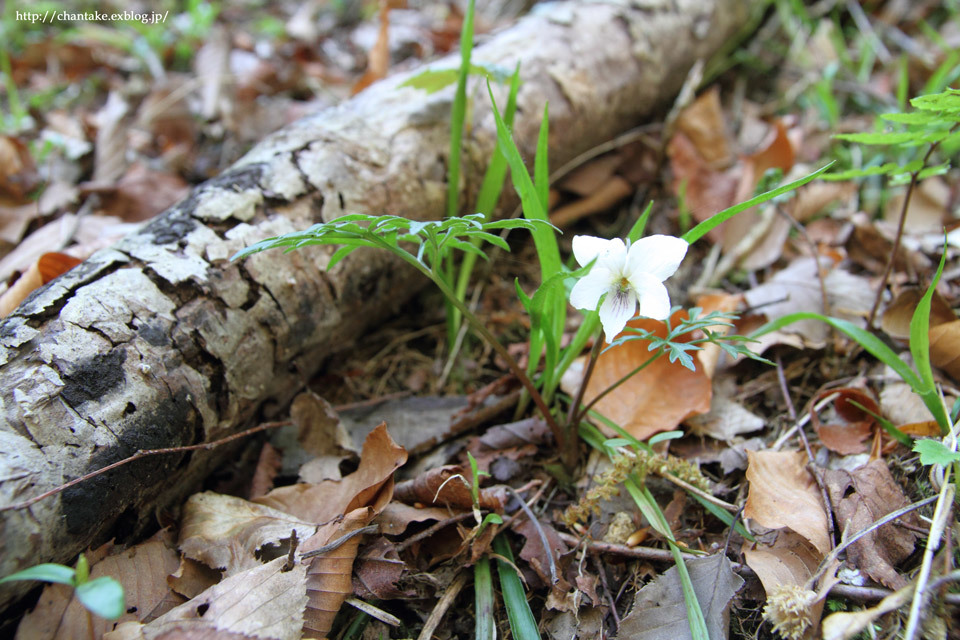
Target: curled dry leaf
851	437
18	174
898	314
449	486
225	532
328	581
704	123
265	602
783	494
378	570
47	267
397	516
726	418
656	399
370	485
860	498
320	431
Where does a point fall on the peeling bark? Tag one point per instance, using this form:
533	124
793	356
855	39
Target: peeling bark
161	341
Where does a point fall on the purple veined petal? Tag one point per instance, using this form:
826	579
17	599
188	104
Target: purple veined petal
617	309
659	256
586	248
654	299
587	291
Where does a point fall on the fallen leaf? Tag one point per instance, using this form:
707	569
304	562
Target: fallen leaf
797	288
370	485
378	570
848	438
211	522
110	144
860	498
378	61
586	179
397	516
18	174
656	399
726	418
192	578
659	610
783	494
320	431
268	465
704	123
898	314
534	553
610	193
142	570
328	581
790	560
449	486
140	194
843	625
928	208
945	348
263	602
705	190
47	267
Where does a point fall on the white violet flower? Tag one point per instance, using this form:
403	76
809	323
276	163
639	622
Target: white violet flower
627	275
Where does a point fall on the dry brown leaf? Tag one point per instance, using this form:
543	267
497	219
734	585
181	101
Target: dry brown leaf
610	193
378	570
898	314
268	465
225	532
791	560
784	494
264	602
659	397
370	485
378	61
851	437
110	145
142	570
709	356
588	178
704	123
449	486
47	267
192	578
397	516
860	498
18	174
945	348
140	194
726	418
320	431
534	553
706	191
928	208
328	581
814	197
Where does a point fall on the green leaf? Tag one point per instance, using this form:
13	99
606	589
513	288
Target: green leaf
724	516
935	452
920	345
947	102
719	218
523	625
102	596
433	80
485	624
44	572
636	231
666	435
884	169
915	118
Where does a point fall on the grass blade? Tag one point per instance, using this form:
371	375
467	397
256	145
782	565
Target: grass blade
522	623
485	628
920	345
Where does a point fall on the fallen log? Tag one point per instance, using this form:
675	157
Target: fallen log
161	341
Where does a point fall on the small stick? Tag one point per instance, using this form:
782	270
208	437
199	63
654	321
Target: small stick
143	453
447	599
554	579
374	612
432	529
574	415
339	542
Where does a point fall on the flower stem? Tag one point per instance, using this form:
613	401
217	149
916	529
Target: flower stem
568	451
621	381
574	415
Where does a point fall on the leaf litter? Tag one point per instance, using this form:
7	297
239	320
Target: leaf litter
337	483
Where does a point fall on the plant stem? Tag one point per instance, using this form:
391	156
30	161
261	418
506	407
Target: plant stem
567	448
574	415
914	179
621	381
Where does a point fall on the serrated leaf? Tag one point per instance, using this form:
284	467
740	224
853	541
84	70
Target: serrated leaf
935	452
914	118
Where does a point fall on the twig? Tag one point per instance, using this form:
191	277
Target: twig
554	578
606	588
432	529
914	178
574	415
374	612
339	542
890	517
940	518
143	453
447	599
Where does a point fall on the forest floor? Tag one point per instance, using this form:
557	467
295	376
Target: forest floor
759	474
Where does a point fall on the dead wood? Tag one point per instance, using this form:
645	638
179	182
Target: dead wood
161	341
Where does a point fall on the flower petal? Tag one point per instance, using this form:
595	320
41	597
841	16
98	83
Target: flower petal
617	308
586	293
586	248
659	256
654	299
